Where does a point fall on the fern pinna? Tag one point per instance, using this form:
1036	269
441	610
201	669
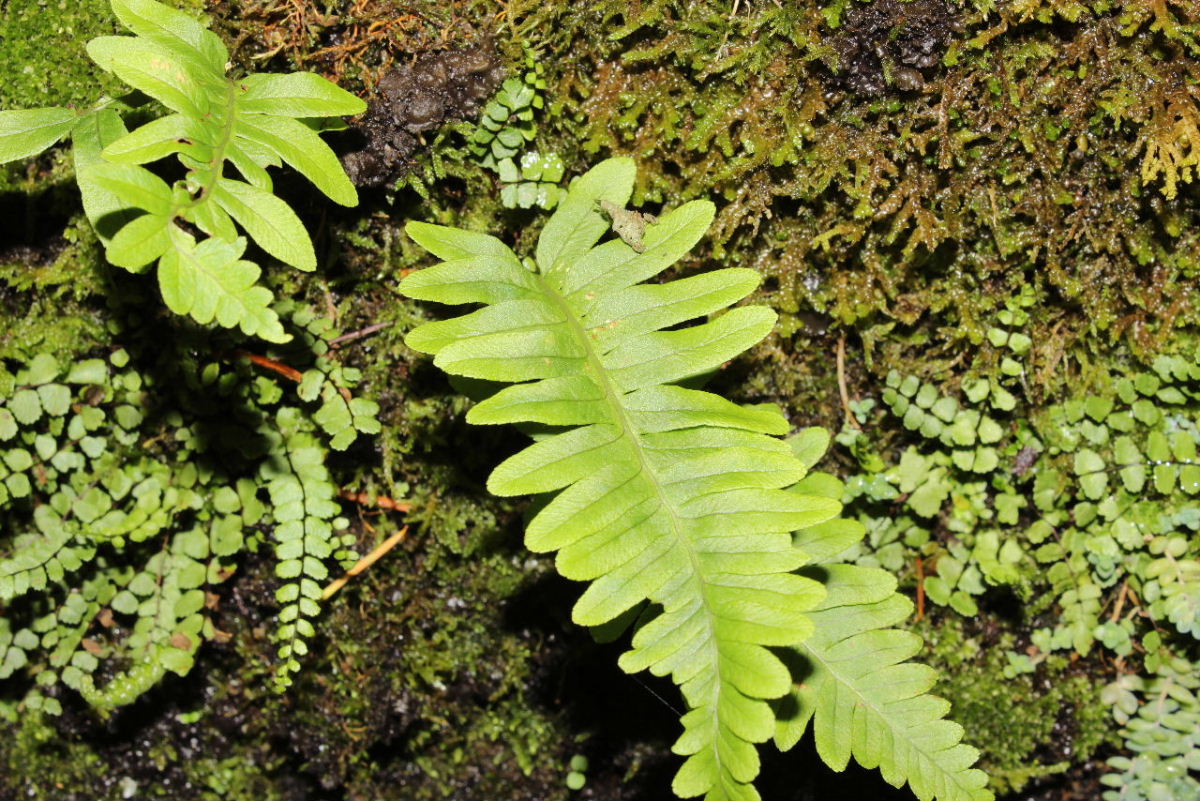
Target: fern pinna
853	682
665	494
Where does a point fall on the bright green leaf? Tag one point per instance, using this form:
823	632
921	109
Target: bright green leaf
27	132
270	222
208	281
299	94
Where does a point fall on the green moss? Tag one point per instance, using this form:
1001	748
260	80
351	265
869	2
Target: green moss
925	206
50	294
43	57
421	683
40	763
232	777
1026	727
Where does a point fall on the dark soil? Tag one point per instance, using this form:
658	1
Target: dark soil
414	99
890	46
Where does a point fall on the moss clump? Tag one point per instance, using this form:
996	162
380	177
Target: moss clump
39	762
1033	153
43	58
1028	726
423	668
352	43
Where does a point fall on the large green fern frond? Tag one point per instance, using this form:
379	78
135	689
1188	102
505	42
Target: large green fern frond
853	682
664	494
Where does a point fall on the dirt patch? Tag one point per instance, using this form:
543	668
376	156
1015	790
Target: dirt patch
413	99
890	46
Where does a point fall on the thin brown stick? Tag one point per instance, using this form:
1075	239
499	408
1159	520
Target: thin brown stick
337	342
1116	613
382	501
262	361
920	588
1135	603
841	375
365	562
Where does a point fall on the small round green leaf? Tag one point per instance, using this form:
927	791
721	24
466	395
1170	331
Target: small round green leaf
26	407
1089	467
55	398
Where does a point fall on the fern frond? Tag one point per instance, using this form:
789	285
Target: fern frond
168	598
211	281
302	497
864	700
856	688
664	493
249	123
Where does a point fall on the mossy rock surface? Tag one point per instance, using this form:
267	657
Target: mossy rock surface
896	171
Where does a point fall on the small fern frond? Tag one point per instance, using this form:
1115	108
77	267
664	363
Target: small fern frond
251	123
864	700
853	682
664	494
306	535
168	598
210	281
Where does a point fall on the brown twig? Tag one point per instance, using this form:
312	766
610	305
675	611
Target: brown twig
920	588
841	375
1116	613
376	553
382	501
337	342
285	371
262	361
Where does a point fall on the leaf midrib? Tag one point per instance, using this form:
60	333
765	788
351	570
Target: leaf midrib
612	397
216	165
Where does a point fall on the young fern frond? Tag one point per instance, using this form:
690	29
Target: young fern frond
251	123
664	494
854	685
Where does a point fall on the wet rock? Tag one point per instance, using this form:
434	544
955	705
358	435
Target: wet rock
415	98
889	45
